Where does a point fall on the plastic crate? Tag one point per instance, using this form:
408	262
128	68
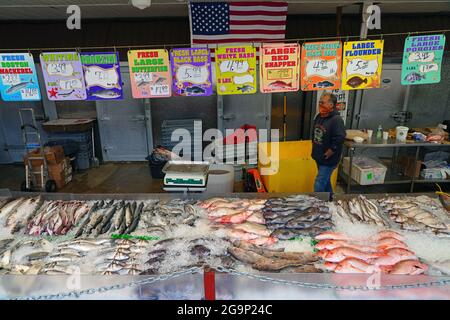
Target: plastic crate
80	137
292	169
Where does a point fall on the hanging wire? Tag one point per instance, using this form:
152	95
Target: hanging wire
443	31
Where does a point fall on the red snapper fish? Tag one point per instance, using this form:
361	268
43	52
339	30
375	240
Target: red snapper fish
280	84
412	267
342	253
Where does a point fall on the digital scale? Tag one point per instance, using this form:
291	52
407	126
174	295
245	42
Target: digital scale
185	175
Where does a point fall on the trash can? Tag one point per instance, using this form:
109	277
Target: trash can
156	167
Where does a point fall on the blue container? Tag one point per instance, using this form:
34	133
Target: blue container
83	160
71	147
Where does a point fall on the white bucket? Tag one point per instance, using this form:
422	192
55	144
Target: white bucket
401	133
220	179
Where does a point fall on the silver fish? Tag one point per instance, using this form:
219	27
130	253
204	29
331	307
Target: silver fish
37	255
117	256
66	94
246	88
10	208
128	216
105	94
160	80
143	83
18	87
82	246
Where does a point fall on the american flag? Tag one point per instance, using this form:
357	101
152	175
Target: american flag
237	21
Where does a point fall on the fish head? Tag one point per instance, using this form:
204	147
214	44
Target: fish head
330	266
323	253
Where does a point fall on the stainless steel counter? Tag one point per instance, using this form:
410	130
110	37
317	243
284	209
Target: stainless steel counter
392	175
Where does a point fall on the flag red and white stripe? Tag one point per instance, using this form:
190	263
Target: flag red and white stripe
249	21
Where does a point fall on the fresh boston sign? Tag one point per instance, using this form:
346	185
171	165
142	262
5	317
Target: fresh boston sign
18	80
422	59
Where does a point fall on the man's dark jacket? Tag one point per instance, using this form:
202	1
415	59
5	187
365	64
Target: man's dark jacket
328	133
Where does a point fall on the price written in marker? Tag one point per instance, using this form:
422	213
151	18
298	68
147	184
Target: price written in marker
10	79
29	93
159	90
60	69
70	84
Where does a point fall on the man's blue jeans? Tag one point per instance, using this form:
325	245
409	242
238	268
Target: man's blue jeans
323	179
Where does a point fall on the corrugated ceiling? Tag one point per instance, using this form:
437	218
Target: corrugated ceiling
95	9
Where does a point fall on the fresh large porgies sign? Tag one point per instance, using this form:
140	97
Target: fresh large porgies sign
18	81
362	64
422	59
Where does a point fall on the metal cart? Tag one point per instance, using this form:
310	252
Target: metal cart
32	140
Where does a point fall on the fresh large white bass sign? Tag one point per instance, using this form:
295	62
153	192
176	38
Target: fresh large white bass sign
362	67
105	78
321	67
194	74
234	66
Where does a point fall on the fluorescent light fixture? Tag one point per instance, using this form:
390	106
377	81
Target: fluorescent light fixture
141	4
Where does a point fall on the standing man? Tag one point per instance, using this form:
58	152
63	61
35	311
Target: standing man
328	138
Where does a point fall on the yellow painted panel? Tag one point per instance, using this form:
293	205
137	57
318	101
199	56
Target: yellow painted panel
294	172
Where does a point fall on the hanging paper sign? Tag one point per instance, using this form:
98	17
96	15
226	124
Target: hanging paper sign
341	104
63	75
280	68
150	73
18	80
102	75
236	70
191	72
422	59
321	65
362	64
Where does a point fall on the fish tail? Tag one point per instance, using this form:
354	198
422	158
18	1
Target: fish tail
365	80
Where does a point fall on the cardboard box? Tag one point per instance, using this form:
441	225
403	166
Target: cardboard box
365	171
60	172
54	155
406	166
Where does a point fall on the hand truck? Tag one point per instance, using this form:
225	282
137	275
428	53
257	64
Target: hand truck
29	129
